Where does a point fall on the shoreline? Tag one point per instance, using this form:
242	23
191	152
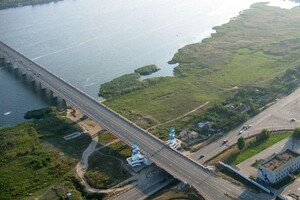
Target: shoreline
21	3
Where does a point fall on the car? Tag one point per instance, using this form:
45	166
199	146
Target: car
292	120
225	141
201	156
246	127
240	132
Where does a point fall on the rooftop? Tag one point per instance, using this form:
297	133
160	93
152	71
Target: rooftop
280	160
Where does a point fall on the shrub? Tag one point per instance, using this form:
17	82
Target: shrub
147	70
37	114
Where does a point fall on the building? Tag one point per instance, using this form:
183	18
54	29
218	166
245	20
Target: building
201	125
279	166
184	135
193	135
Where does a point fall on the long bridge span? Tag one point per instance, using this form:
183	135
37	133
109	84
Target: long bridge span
172	161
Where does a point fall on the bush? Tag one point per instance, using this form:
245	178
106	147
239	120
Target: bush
38	114
296	133
241	143
262	136
147	70
121	85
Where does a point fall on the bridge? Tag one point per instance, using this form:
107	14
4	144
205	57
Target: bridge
172	161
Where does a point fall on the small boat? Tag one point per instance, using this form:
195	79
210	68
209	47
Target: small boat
7	113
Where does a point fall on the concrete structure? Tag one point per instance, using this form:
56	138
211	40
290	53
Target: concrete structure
173	142
173	162
137	158
279	166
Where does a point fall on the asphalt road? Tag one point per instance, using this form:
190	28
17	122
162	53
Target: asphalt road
276	117
149	186
171	161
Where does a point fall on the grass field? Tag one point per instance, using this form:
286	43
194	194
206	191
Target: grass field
28	163
252	49
254	148
105	171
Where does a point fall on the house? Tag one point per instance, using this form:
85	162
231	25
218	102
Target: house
279	166
201	125
193	135
183	134
243	108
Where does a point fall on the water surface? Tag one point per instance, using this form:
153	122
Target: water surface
89	42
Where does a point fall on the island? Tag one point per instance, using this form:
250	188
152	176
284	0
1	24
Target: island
147	70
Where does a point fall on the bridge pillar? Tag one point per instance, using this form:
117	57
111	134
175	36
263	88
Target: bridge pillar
49	94
61	104
2	61
7	64
14	66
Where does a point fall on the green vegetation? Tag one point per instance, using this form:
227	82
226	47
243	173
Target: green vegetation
255	147
124	84
252	51
147	70
296	133
38	114
17	3
262	136
118	150
105	171
34	156
241	143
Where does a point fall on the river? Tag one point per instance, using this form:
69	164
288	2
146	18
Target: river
89	42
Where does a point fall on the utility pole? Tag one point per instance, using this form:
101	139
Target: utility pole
293	137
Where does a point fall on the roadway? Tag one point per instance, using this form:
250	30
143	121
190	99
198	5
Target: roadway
179	166
276	117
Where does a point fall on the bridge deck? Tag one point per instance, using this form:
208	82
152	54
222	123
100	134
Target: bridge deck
170	160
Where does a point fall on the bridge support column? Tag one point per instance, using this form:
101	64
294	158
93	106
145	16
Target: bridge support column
2	61
61	104
7	64
49	94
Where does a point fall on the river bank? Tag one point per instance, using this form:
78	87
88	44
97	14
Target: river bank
20	3
251	50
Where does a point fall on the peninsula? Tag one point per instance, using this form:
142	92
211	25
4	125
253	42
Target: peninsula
252	51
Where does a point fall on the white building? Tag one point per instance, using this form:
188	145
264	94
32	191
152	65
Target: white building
279	166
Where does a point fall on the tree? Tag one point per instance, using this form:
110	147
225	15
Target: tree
262	136
296	133
241	143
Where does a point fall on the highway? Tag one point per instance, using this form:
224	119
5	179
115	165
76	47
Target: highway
178	165
276	117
